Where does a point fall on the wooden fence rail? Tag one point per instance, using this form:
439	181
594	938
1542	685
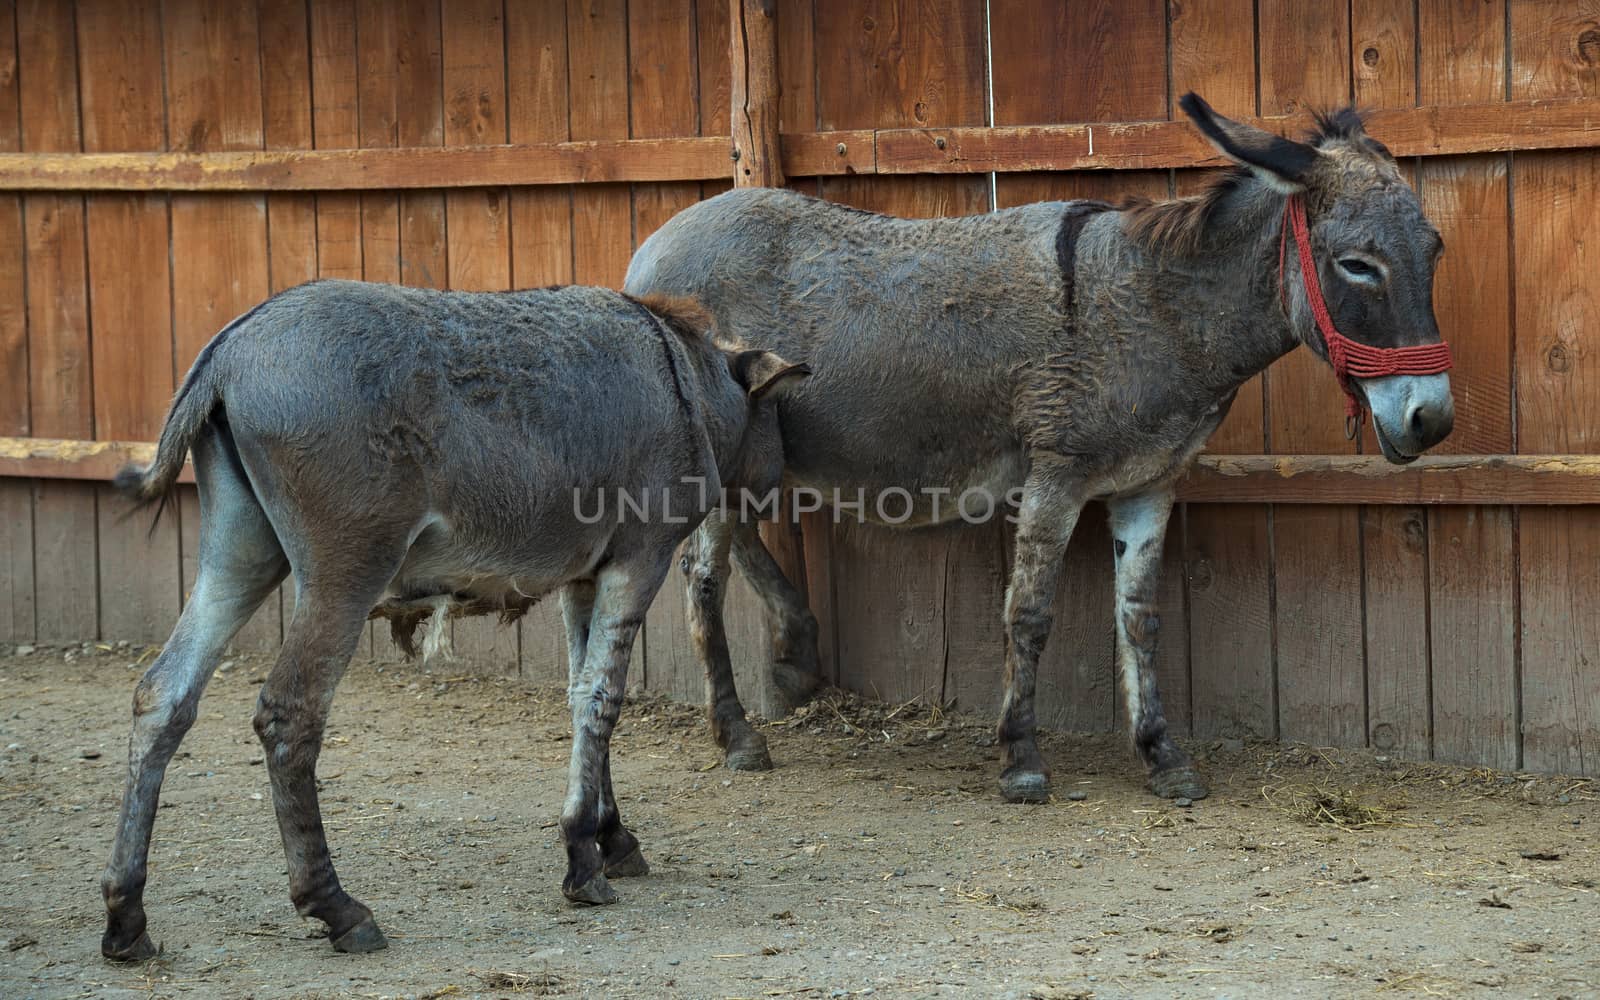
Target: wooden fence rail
1317	479
1408	132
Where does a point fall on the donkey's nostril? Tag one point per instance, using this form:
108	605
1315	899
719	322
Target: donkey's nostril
1430	424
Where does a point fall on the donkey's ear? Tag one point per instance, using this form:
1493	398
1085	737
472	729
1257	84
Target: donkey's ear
761	372
1282	164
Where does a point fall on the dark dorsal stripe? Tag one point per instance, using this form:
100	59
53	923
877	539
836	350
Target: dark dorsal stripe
666	348
1076	216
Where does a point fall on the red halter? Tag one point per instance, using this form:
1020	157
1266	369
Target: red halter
1348	357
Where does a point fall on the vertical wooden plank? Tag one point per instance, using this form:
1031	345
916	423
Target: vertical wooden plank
597	75
1556	197
1228	595
1110	66
477	224
334	125
1393	540
1319	643
541	217
219	241
664	73
64	560
119	52
1472	551
889	64
541	246
1561	697
1230	623
1472	595
285	54
17	589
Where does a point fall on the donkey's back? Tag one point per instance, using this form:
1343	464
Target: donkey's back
914	328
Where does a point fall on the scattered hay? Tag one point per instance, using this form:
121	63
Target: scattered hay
1320	805
539	984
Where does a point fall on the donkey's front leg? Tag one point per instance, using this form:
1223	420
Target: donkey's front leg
1049	513
1138	525
623	592
617	843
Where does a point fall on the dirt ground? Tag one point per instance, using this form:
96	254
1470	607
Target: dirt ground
877	860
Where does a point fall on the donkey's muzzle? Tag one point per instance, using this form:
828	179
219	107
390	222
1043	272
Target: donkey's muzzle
1430	422
1410	413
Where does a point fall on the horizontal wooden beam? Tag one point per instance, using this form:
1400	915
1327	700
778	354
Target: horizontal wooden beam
1359	479
597	162
1368	479
55	458
1429	131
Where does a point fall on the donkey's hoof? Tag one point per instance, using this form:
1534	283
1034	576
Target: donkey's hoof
1179	783
628	866
595	892
749	754
141	949
1025	786
361	938
792	687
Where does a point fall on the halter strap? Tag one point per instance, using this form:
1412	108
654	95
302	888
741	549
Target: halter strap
1350	358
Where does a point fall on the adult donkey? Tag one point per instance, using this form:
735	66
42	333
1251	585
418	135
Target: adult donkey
432	454
1081	351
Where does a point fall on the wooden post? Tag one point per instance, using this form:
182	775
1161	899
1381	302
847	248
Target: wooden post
753	60
753	63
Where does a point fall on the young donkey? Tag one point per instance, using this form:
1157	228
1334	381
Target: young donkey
448	450
1079	351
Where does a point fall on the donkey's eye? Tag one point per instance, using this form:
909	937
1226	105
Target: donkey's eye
1359	269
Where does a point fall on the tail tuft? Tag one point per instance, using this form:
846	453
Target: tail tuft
132	481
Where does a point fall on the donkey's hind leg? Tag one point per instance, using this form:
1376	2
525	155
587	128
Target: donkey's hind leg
241	563
1138	526
291	714
623	593
795	673
705	570
618	845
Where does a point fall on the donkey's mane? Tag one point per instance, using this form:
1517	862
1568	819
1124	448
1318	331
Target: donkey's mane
1175	225
685	316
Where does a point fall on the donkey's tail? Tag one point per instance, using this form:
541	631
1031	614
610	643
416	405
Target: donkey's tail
197	398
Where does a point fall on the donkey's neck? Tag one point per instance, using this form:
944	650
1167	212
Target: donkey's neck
1224	297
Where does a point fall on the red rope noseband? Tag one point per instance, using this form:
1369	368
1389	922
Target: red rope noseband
1351	359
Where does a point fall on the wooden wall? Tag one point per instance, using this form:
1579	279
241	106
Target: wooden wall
1456	632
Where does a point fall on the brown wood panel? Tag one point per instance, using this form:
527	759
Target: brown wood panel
16	497
1314	639
1213	56
119	51
1321	669
1473	615
1462	49
712	69
597	74
1230	623
335	125
541	245
541	217
60	386
1093	60
477	227
1399	715
1556	197
1560	693
1383	53
1392	542
900	64
219	241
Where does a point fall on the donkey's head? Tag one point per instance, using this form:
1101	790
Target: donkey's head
1372	255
